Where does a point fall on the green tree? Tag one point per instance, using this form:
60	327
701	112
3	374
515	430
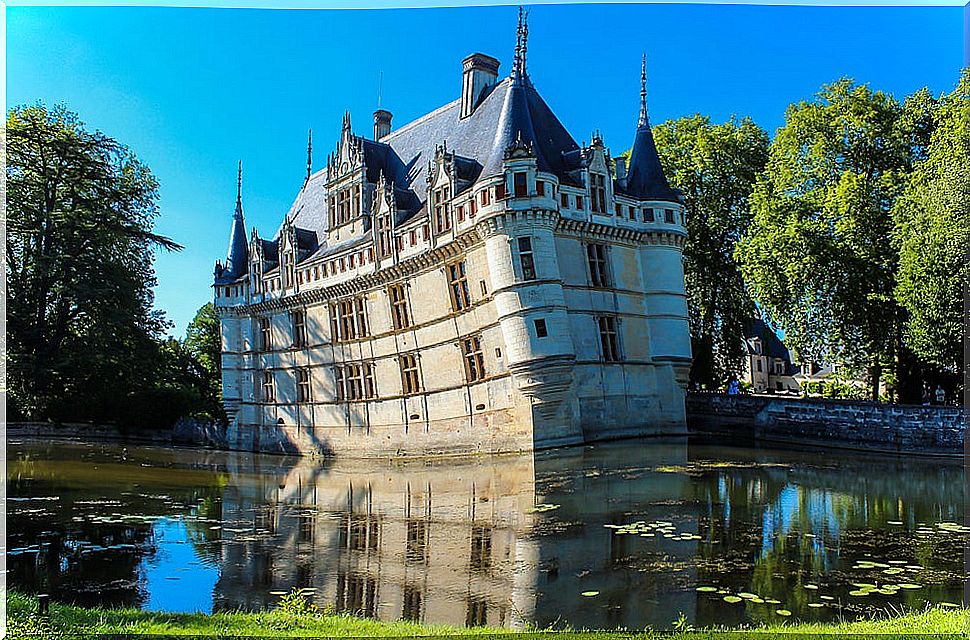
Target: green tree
716	167
933	234
82	335
203	342
819	257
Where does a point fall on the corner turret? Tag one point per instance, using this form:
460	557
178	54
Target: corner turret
237	257
645	179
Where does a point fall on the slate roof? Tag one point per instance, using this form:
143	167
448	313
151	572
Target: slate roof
772	346
645	179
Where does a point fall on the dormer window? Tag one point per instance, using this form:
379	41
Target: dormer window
520	185
442	210
597	193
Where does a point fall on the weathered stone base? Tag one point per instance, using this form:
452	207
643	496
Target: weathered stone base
571	422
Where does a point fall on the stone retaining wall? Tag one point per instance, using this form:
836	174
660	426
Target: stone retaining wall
834	423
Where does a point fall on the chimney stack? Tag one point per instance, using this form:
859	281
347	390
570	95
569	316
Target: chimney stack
382	123
479	72
621	171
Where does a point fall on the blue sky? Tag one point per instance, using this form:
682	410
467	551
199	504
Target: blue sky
192	91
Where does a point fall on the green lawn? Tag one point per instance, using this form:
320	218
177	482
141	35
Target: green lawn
295	621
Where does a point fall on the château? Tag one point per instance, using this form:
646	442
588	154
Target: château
473	281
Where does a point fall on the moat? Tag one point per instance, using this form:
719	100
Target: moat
628	535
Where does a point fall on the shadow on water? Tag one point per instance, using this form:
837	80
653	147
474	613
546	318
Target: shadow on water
629	534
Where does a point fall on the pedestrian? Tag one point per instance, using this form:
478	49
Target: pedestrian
927	400
733	387
940	395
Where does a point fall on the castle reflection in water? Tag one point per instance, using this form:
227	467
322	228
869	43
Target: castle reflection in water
460	542
509	541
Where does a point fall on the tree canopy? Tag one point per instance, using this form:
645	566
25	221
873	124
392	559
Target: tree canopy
84	342
715	166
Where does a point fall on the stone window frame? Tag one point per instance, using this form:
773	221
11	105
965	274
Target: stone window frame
442	209
598	265
542	331
298	325
525	249
268	386
348	319
608	327
520	184
669	216
457	275
410	373
473	358
597	193
265	333
563	200
397	296
303	388
355	382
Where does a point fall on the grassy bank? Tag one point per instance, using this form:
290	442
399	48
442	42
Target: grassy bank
298	620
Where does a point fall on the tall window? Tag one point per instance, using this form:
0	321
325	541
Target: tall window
599	275
564	200
579	203
361	313
669	216
299	328
442	210
520	184
608	340
409	373
485	199
458	286
265	335
303	385
384	235
399	307
471	349
526	259
348	319
355	382
597	192
269	389
540	188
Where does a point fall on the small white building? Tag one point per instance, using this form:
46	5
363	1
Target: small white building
472	281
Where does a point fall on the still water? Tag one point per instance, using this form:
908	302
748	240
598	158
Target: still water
622	535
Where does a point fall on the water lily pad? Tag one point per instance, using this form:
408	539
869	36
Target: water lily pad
894	522
748	596
813	587
706	589
815	605
893	571
732	599
590	594
827	597
859	593
909	585
863	585
783	612
757	600
772	601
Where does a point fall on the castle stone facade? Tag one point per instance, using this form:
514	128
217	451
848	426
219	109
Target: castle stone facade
474	281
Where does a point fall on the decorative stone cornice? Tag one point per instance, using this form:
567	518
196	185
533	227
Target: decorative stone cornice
585	229
501	222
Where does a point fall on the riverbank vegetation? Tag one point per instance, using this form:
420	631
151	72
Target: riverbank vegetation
85	343
296	619
848	231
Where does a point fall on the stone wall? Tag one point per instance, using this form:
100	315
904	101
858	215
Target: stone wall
833	423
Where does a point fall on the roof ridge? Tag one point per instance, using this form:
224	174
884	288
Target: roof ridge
420	120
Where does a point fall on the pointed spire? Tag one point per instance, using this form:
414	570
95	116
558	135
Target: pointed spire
643	121
521	44
237	258
309	155
239	210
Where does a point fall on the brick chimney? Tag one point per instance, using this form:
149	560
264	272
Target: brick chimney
479	72
382	123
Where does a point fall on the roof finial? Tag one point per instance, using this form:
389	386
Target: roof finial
525	38
643	122
516	61
239	191
309	154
